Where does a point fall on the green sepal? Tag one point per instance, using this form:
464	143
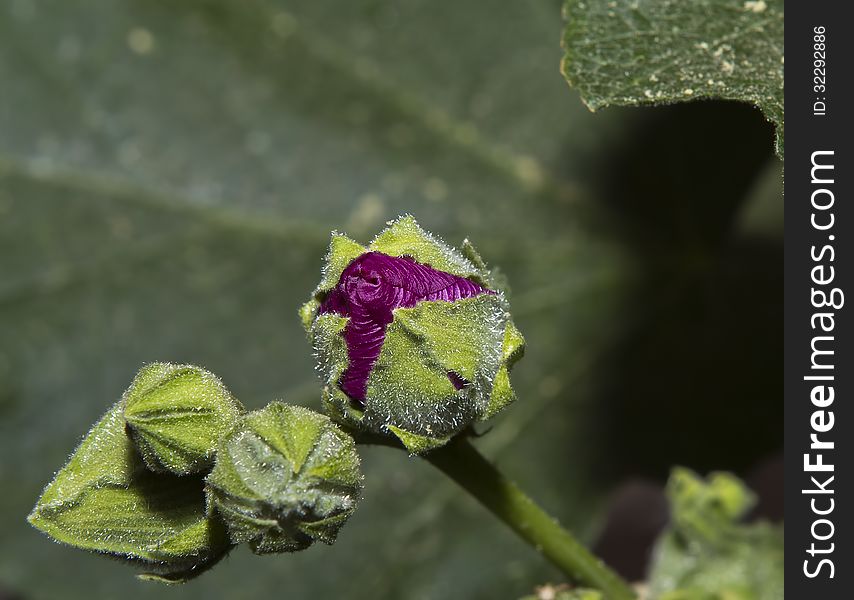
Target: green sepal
513	346
285	477
176	415
105	500
501	396
464	336
307	313
468	250
490	278
502	393
404	237
342	251
409	386
418	444
707	553
329	347
342	410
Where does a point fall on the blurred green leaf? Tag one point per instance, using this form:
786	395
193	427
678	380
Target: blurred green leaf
707	553
634	52
169	176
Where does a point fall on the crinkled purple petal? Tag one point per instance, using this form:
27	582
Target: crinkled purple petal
369	289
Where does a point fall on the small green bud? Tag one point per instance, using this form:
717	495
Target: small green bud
412	338
105	500
284	477
176	415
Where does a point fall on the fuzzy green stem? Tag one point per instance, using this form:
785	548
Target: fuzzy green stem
460	461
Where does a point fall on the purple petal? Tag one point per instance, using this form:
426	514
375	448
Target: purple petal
369	289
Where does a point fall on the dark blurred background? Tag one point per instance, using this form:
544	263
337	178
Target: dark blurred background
169	176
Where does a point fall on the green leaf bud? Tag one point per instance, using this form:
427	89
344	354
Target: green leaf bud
412	338
105	500
176	415
285	476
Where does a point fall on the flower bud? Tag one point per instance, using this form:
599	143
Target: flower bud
176	415
106	501
284	477
412	338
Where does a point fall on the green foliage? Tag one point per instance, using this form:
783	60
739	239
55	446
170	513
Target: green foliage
169	173
169	199
404	237
634	52
176	415
106	501
285	476
282	477
512	349
550	592
409	393
707	554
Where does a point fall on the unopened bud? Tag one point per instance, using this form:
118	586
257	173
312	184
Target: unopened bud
285	477
412	338
105	500
176	415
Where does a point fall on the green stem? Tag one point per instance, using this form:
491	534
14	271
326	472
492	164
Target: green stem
460	461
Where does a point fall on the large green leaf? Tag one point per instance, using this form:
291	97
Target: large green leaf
630	52
169	176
